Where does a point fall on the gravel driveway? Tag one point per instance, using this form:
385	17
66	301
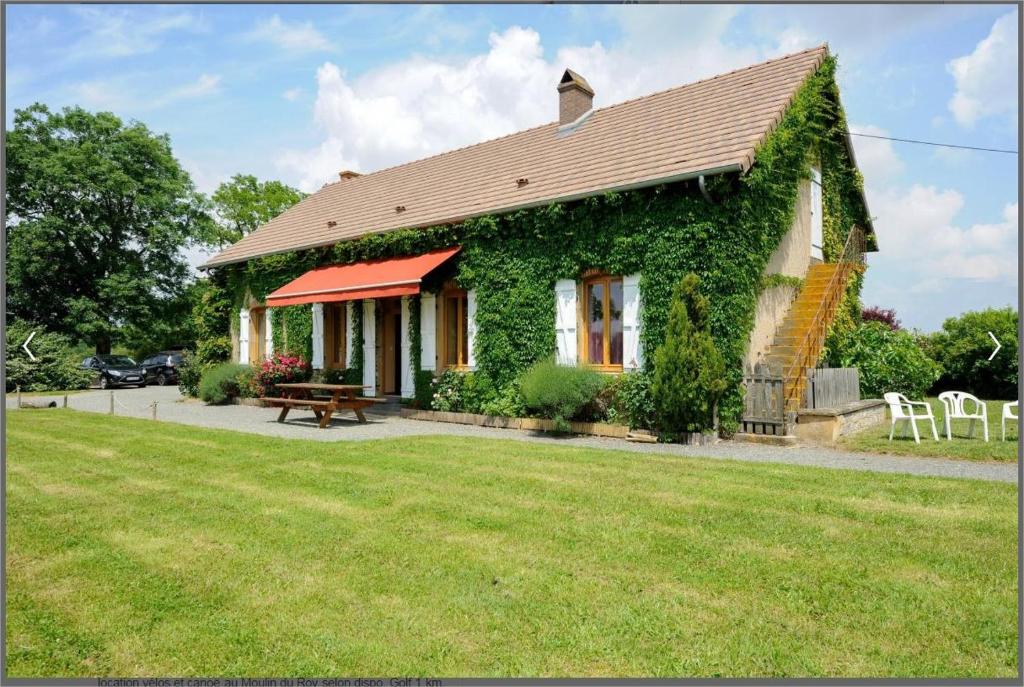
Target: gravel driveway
172	407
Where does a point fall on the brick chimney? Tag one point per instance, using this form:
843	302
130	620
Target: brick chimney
575	97
348	174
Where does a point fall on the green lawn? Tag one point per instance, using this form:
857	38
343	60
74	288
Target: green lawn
876	439
30	394
137	547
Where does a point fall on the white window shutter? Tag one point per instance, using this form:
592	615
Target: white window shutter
471	328
632	354
370	346
565	321
270	331
349	318
318	336
407	388
817	227
428	331
243	336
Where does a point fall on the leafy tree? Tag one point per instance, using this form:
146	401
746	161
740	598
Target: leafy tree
886	360
689	370
98	214
171	327
245	203
963	347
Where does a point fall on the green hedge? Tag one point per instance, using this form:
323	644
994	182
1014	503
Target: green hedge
56	367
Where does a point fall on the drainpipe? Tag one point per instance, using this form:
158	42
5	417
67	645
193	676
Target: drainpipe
704	189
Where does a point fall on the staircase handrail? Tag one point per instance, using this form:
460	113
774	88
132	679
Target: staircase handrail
852	253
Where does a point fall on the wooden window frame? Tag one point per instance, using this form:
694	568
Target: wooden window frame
606	280
331	311
461	350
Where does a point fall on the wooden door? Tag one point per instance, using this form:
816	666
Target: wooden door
257	334
390	344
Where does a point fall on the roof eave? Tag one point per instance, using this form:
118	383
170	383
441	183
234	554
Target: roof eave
631	186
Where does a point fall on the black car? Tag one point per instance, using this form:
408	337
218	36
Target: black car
162	367
115	370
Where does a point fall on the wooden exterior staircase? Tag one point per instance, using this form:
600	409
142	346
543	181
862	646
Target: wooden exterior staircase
799	341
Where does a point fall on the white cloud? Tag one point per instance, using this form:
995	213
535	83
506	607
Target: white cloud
206	84
421	106
917	226
986	80
876	157
292	94
117	95
122	33
290	36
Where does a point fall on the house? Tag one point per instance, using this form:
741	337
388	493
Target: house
567	238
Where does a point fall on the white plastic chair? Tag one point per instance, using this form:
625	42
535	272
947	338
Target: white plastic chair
955	408
1008	414
901	409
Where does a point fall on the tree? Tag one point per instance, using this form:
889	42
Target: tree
98	214
689	370
244	204
963	347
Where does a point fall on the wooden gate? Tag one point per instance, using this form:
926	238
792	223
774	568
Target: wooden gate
764	404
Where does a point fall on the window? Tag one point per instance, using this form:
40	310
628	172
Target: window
334	339
456	329
603	321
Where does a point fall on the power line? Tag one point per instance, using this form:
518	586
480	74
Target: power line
933	143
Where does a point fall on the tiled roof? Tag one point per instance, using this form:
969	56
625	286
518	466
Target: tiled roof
709	126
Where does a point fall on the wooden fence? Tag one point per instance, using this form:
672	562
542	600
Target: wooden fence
831	387
764	404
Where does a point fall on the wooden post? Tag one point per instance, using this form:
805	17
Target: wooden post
154	410
111	402
65	401
19	395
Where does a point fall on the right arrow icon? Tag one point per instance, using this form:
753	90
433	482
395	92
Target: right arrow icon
998	346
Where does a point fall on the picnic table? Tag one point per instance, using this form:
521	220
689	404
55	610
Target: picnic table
322	399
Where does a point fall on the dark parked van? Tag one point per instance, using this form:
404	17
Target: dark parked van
162	368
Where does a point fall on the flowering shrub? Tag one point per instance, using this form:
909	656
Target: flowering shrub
447	391
883	315
280	369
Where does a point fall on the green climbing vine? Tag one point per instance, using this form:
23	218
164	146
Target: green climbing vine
513	260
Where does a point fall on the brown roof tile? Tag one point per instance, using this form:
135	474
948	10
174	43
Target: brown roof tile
703	127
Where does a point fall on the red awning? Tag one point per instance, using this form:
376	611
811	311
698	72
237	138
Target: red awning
370	279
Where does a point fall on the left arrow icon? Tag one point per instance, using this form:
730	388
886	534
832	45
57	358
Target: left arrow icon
25	346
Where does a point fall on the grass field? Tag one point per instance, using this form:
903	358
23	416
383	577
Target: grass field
32	394
137	547
876	439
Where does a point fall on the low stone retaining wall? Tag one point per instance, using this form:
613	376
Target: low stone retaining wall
826	425
600	429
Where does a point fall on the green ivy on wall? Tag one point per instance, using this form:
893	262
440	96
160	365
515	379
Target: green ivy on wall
293	330
513	260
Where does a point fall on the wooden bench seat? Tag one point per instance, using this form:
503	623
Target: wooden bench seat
323	409
296	402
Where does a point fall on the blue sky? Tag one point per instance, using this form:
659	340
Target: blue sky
299	92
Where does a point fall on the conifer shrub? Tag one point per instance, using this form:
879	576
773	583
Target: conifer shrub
689	370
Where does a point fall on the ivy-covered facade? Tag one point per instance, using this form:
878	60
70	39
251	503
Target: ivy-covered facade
588	281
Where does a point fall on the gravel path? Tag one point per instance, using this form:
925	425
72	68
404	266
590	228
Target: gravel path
172	407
